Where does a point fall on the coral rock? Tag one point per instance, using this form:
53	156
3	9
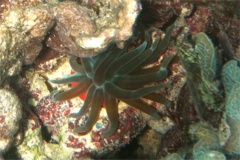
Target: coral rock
21	34
79	30
10	114
84	32
29	25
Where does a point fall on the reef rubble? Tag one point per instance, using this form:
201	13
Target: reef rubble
202	121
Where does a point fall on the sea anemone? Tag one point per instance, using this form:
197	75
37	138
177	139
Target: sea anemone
117	74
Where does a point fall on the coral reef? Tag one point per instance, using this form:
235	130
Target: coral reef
23	30
158	13
201	120
57	133
203	60
83	31
173	156
11	113
231	81
116	74
207	145
148	137
177	75
203	78
199	16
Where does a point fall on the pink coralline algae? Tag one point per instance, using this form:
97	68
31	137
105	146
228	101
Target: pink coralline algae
131	123
53	115
216	21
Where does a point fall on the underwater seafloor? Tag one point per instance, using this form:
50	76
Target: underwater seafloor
120	79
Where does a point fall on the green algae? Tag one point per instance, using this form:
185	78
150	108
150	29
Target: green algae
231	82
199	60
207	57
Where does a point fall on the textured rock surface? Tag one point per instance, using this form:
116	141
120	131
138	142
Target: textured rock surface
22	32
10	114
79	30
83	31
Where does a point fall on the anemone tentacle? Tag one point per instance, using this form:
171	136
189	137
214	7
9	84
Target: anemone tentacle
87	66
97	100
86	103
117	75
135	63
146	70
111	50
161	47
103	66
158	98
74	92
143	106
68	79
121	93
127	81
112	112
124	59
74	64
